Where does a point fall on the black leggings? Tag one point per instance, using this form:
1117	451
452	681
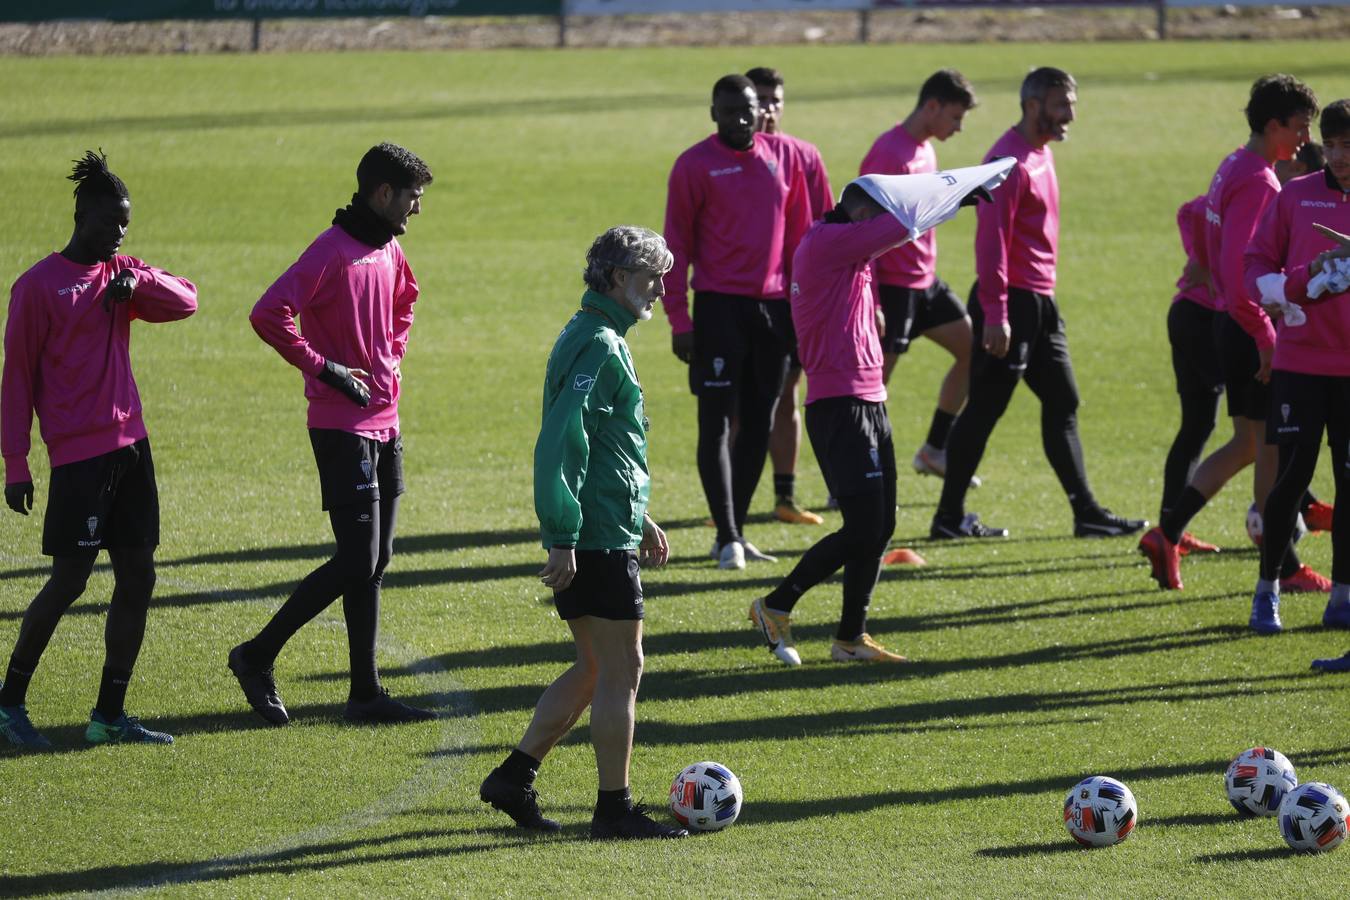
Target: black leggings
1199	413
365	543
857	547
1298	463
730	470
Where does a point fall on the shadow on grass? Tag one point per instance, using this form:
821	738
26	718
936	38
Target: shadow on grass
1237	856
1024	850
322	856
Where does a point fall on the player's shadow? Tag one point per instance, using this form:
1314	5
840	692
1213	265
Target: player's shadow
1244	856
1021	851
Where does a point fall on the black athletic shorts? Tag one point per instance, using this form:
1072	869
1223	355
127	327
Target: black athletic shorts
738	339
1195	353
1240	361
607	585
1303	405
107	502
910	312
355	469
1038	349
852	442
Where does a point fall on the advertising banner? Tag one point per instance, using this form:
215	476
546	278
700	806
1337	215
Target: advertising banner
144	10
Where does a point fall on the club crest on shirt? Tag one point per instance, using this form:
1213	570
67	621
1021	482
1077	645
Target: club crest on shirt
773	166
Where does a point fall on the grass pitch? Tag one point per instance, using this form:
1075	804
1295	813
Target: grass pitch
1039	660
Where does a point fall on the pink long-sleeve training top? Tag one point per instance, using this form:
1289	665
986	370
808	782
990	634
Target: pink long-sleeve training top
1286	242
912	265
68	359
818	192
1017	236
736	216
1239	193
355	305
834	310
1191	224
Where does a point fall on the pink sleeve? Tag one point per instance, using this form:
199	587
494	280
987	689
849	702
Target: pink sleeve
1240	219
818	187
273	316
1267	251
1192	237
681	210
859	242
405	296
159	296
993	241
798	219
24	335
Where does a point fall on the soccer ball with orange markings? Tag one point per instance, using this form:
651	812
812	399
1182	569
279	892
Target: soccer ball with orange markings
1257	780
1314	817
1100	811
706	797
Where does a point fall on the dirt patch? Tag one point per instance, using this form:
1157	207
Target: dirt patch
881	27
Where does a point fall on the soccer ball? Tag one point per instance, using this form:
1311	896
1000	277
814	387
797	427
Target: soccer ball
1100	811
1257	780
1314	817
1256	526
706	797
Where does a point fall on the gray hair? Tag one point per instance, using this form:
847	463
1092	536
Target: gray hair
1039	82
625	247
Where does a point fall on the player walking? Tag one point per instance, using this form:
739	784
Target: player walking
1021	333
785	437
833	307
353	292
1279	112
1310	368
591	487
914	301
737	205
67	360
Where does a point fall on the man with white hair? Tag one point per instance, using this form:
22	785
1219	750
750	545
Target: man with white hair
590	492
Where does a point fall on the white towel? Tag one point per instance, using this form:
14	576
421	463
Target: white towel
1271	286
1333	279
925	201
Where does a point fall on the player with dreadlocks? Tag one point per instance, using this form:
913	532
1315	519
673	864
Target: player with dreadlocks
67	360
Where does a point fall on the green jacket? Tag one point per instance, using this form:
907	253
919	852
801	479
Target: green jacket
590	463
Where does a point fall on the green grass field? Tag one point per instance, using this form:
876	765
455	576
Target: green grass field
1039	660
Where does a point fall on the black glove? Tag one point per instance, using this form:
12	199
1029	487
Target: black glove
975	196
119	290
19	497
339	377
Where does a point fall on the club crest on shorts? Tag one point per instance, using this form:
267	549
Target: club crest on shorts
1284	411
718	365
92	523
365	468
875	456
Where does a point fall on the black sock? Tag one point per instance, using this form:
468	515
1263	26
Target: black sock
1291	563
112	692
520	768
613	804
939	428
1188	505
784	486
1307	501
15	690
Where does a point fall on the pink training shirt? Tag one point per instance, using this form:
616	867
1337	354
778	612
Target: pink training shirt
736	216
1239	193
1191	224
68	359
1017	236
834	310
912	265
1285	241
355	304
818	192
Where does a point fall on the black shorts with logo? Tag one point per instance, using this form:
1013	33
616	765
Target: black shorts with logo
740	342
910	312
607	585
1195	352
106	502
355	469
852	442
1302	406
1240	361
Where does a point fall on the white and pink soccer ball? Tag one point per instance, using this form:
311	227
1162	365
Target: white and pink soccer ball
1314	817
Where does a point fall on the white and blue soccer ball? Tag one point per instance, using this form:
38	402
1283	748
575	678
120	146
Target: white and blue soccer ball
1257	780
1100	811
1314	817
706	797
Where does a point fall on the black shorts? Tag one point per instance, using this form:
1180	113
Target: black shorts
107	502
1240	361
1195	353
739	341
1303	406
607	585
355	469
852	442
1038	349
910	312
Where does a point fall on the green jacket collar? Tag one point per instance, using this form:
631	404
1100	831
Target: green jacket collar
618	315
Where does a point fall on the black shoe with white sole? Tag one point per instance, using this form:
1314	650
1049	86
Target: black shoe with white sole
1101	522
946	528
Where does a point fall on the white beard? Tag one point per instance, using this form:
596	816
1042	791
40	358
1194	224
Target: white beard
637	305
